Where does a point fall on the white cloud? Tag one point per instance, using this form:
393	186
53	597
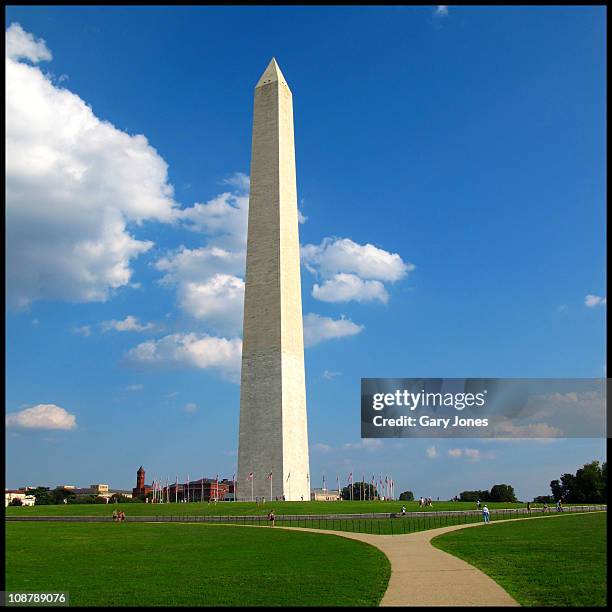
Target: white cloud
318	328
239	180
84	330
472	454
73	183
20	44
441	11
432	452
130	323
335	255
347	287
208	284
184	265
321	448
191	350
331	375
225	218
301	217
370	444
352	271
219	302
191	407
42	416
134	388
590	301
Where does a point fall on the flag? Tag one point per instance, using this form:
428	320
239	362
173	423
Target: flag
269	476
250	476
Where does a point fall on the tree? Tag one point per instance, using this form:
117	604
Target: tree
16	502
556	489
60	494
502	493
41	495
472	496
406	496
588	485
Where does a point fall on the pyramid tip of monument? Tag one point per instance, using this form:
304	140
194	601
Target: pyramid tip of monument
271	74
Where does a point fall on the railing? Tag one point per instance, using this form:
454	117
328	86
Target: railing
374	523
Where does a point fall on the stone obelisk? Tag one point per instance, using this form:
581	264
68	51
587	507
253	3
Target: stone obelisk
273	432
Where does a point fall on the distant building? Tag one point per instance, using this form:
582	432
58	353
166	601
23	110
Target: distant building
11	494
203	489
99	490
141	490
325	495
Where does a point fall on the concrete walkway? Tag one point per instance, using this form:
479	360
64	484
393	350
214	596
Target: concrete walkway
422	575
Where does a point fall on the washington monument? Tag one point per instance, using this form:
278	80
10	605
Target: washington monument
273	440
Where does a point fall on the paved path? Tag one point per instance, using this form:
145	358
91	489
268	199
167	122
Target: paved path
422	575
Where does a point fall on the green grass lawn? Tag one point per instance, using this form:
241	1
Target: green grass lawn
243	508
112	564
557	561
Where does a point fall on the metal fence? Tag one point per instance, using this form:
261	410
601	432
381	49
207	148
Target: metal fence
374	523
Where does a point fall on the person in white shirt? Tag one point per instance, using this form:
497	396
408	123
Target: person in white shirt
485	514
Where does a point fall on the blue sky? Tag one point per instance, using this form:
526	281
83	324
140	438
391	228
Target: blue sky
466	145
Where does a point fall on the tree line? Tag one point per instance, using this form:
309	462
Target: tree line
587	485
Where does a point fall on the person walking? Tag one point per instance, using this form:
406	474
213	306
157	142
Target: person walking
115	515
271	518
485	514
478	505
403	510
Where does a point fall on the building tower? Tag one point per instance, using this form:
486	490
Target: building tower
273	431
140	478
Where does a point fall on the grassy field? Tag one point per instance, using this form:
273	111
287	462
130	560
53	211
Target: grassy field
112	564
243	508
551	562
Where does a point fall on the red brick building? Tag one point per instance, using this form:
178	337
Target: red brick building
141	490
203	489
